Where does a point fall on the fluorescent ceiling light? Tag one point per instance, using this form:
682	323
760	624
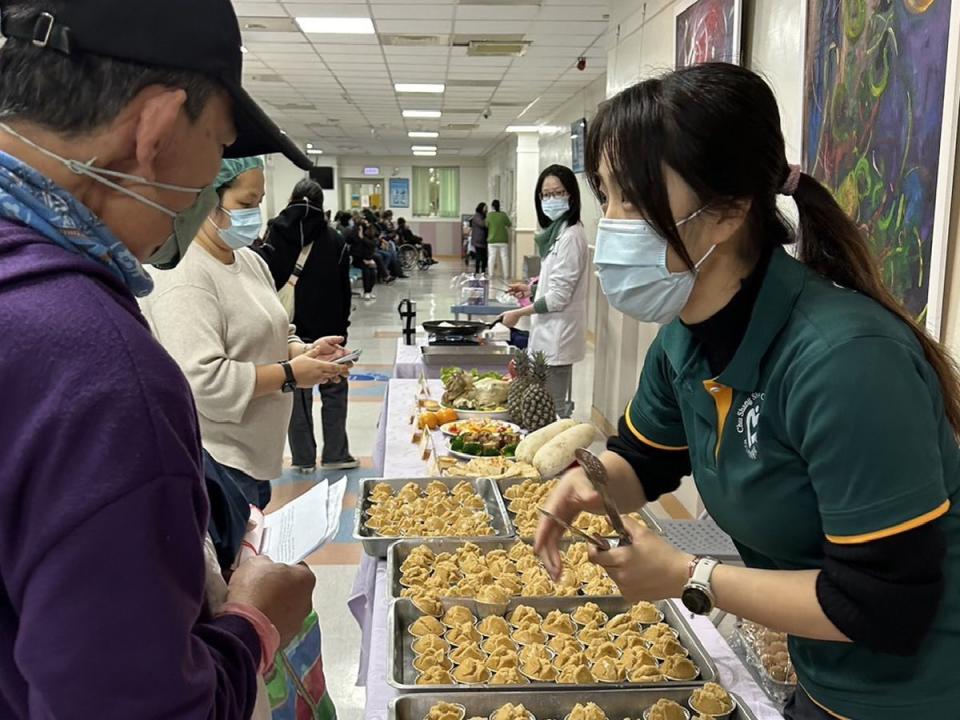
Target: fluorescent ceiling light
336	25
314	151
243	49
419	87
426	148
422	113
527	108
309	146
523	128
422	134
425	153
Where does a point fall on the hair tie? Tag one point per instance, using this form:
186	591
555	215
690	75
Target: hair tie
793	180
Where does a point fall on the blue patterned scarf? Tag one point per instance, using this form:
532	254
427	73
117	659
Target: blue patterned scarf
29	198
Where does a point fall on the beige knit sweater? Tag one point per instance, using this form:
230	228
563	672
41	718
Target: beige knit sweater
219	322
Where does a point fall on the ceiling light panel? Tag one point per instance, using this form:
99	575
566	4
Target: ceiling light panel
336	25
419	87
425	114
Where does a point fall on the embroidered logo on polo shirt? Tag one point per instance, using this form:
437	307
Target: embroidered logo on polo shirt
748	422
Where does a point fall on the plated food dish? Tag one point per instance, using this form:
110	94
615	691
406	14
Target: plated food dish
495	440
487	467
454	429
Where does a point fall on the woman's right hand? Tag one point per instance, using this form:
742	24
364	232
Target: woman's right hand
308	371
519	290
574	494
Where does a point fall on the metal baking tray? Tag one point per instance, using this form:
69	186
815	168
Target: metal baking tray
504	483
400	653
401	550
377	545
617	704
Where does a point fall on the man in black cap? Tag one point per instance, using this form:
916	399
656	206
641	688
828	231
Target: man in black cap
114	115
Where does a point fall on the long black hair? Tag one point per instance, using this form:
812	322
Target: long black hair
718	126
569	181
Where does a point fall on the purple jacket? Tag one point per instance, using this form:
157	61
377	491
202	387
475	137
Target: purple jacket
103	509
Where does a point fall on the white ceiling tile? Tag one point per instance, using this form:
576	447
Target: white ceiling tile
258	9
413	26
426	10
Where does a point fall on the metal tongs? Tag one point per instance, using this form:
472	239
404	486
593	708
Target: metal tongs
597	475
595	540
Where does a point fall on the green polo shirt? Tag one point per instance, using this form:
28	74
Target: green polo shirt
828	422
497	225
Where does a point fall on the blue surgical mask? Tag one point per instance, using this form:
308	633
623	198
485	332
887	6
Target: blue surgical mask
631	262
244	228
555	208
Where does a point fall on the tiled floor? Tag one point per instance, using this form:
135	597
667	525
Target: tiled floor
375	328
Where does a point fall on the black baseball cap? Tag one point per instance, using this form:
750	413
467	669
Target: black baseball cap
201	36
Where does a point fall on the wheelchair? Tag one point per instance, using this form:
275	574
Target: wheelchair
413	257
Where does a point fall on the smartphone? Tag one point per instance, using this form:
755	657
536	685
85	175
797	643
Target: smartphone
351	358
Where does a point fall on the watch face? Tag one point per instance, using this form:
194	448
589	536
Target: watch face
696	601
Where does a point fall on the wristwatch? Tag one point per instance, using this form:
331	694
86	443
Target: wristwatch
290	384
697	594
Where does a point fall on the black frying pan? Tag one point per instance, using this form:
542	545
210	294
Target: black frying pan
445	328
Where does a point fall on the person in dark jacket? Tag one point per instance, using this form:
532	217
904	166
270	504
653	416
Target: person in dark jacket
322	308
103	605
478	237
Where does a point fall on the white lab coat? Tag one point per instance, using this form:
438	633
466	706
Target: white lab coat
561	333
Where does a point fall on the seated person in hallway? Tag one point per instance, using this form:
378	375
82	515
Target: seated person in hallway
406	237
363	249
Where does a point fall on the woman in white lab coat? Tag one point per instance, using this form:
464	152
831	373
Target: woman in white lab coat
559	310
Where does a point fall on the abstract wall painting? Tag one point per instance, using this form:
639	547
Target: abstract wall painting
707	31
880	127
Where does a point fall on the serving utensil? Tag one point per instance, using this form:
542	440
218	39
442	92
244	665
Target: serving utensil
597	475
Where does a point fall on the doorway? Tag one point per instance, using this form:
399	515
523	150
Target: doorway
360	193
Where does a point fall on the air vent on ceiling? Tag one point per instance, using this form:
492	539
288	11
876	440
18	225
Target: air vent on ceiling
268	24
296	106
415	40
263	79
460	126
472	83
495	48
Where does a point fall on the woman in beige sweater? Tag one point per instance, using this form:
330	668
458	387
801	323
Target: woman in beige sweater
218	315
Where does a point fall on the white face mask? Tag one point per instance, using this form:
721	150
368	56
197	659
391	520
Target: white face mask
631	262
186	223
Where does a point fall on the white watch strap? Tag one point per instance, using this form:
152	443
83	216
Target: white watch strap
702	572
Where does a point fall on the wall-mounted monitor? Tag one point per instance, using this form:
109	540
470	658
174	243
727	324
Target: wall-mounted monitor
322	175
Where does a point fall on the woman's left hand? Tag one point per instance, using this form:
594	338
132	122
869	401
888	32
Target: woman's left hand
649	569
511	318
328	349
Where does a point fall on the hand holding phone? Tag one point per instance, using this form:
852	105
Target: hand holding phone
349	359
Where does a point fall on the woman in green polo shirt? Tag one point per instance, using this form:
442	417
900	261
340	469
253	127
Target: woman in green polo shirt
818	419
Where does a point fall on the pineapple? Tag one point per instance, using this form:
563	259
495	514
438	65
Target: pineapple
521	366
537	408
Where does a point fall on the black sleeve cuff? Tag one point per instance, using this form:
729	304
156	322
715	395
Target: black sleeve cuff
660	471
884	594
